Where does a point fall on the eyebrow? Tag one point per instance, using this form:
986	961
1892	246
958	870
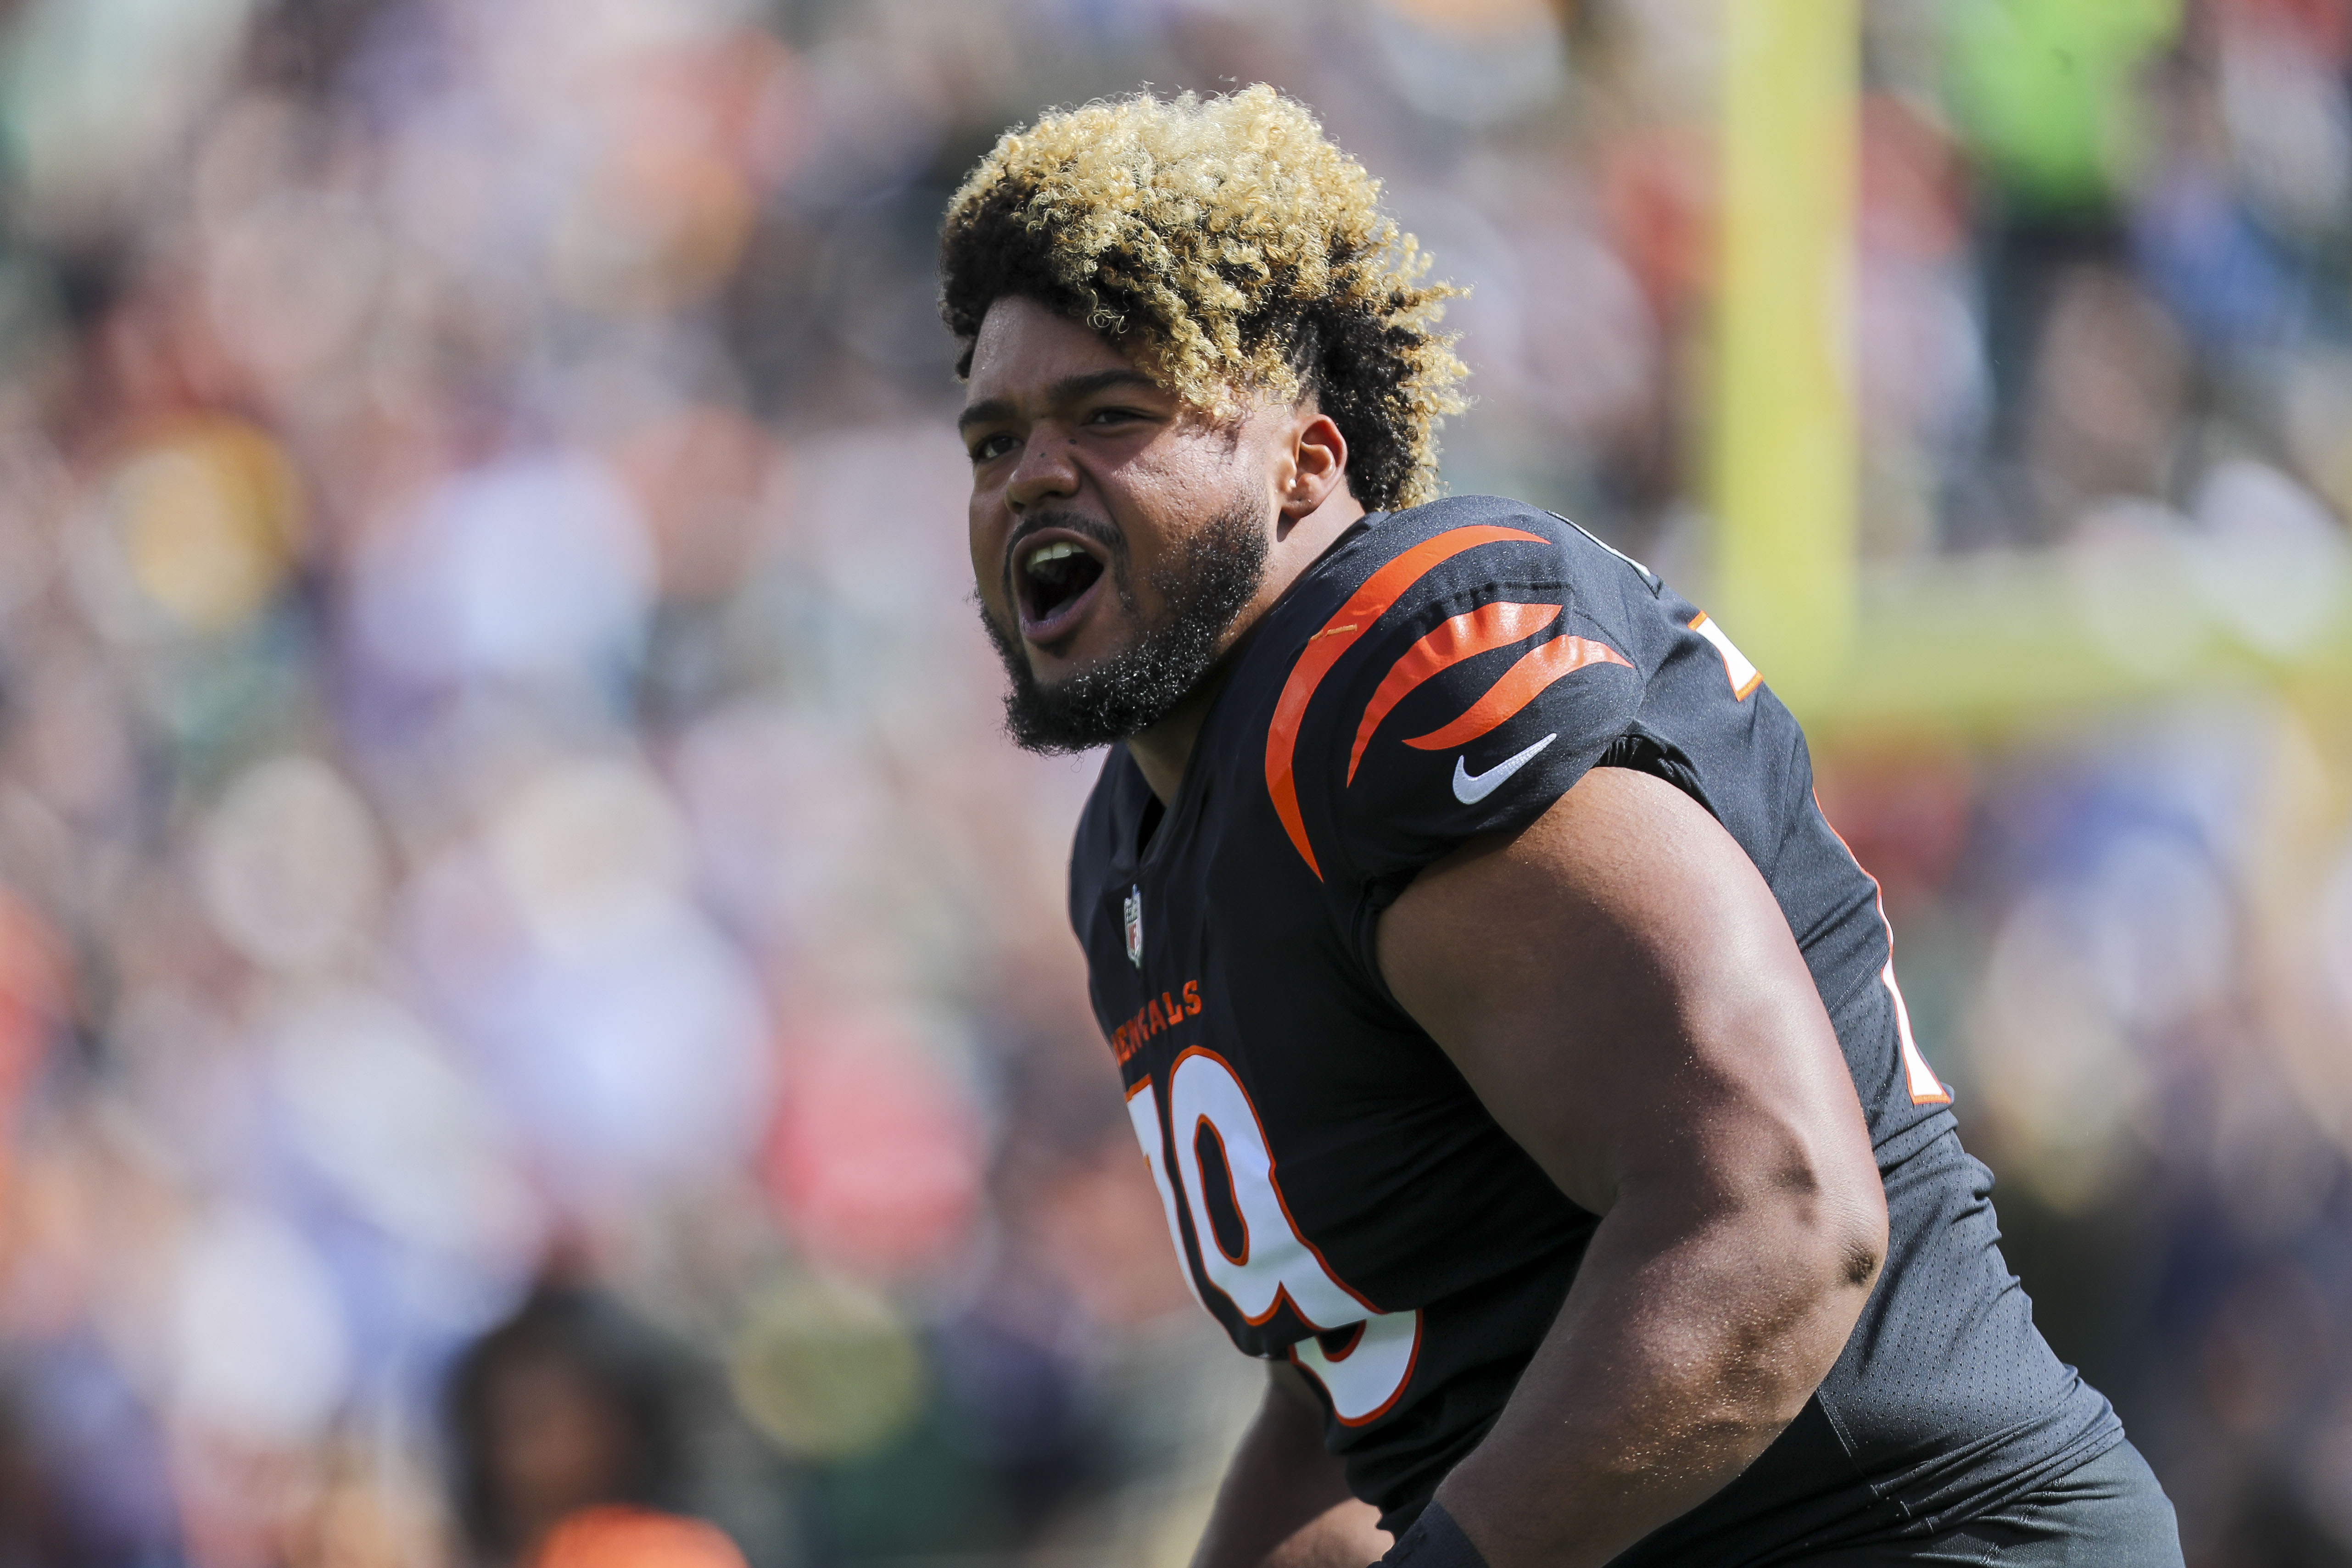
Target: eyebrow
1068	390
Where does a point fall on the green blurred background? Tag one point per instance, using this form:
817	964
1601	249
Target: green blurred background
534	1004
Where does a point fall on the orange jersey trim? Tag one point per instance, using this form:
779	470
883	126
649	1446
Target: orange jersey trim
1734	661
1368	604
1520	685
1489	627
1412	1366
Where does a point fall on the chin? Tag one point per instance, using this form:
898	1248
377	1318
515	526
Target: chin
1097	641
1066	663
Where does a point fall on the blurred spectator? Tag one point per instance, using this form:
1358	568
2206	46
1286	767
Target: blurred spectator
565	1405
577	1437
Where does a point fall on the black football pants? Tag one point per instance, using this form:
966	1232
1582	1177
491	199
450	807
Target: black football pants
2109	1514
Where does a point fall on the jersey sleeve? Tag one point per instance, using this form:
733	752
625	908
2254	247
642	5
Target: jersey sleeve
1466	708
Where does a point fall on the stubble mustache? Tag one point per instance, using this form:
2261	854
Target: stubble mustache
1203	588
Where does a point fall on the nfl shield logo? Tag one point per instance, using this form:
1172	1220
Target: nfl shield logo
1135	926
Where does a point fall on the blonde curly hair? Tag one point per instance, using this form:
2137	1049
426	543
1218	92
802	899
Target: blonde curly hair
1233	249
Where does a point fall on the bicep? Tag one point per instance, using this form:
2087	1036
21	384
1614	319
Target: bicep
1622	991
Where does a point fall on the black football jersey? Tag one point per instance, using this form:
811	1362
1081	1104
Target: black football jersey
1336	1193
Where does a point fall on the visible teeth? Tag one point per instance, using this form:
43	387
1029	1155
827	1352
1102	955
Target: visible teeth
1043	554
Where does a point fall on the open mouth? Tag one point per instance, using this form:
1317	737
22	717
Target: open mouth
1054	578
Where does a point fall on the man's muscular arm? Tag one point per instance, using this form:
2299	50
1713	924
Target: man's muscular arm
1621	989
1284	1501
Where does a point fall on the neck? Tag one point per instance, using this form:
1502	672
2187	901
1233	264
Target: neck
1163	752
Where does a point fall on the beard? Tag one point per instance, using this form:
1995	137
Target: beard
1203	585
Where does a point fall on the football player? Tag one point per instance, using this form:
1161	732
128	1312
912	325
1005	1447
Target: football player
1515	1049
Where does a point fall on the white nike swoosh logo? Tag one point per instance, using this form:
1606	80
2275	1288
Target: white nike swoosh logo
1472	788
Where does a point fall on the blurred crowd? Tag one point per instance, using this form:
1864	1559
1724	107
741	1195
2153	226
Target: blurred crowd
536	1020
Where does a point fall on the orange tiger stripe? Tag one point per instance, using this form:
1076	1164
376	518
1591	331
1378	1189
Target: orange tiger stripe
1464	637
1520	685
1380	590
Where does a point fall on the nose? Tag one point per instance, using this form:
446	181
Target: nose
1045	473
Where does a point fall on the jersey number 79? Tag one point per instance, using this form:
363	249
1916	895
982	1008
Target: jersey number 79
1363	1357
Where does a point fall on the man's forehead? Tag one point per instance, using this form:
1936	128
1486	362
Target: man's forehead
1028	356
1024	348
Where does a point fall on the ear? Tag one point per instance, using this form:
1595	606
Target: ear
1315	467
